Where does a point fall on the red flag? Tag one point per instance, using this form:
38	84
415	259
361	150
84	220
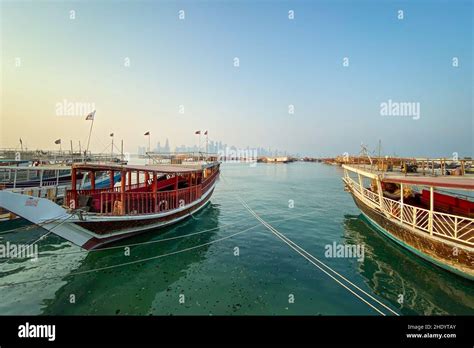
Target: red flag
197	132
205	133
147	133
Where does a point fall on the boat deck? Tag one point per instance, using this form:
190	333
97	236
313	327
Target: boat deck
457	182
464	182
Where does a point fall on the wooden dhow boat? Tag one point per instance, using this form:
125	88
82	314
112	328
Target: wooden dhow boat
148	197
417	213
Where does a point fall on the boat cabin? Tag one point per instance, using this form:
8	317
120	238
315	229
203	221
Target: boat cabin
143	189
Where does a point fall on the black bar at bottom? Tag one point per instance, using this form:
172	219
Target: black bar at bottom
238	329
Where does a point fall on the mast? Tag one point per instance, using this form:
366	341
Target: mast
112	147
90	117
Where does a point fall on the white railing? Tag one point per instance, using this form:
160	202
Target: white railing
370	195
457	228
453	227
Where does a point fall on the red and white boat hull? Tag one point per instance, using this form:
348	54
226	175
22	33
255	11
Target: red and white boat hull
91	231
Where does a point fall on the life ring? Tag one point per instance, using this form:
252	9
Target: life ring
163	202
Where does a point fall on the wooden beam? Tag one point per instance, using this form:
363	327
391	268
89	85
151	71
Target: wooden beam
92	179
111	176
122	191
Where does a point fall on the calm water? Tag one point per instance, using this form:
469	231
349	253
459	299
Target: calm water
205	271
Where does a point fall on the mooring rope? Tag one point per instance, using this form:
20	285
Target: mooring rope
48	254
130	262
140	260
310	258
42	236
33	225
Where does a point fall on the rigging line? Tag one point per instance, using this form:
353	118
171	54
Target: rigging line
28	227
33	225
45	254
298	249
40	238
130	262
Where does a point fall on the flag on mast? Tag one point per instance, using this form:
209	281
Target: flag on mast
197	132
205	133
111	134
147	133
90	116
58	141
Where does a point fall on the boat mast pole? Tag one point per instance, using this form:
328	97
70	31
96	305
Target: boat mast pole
90	132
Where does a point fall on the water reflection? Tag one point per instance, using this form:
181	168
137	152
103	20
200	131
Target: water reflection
131	289
399	276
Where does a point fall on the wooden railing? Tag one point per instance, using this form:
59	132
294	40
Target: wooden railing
453	227
138	203
70	195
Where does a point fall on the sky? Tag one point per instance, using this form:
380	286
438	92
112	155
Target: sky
143	68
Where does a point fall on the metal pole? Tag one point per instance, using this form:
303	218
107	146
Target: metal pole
90	132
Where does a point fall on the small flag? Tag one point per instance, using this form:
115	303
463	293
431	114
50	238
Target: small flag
58	141
21	141
147	133
197	132
111	134
205	133
90	116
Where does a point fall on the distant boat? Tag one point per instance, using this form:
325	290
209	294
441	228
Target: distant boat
160	195
280	159
436	226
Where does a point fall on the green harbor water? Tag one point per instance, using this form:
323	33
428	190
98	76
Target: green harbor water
223	261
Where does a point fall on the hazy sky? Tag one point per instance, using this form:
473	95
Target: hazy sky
137	62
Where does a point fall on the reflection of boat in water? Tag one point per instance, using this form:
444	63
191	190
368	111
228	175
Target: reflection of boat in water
133	289
433	224
406	281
